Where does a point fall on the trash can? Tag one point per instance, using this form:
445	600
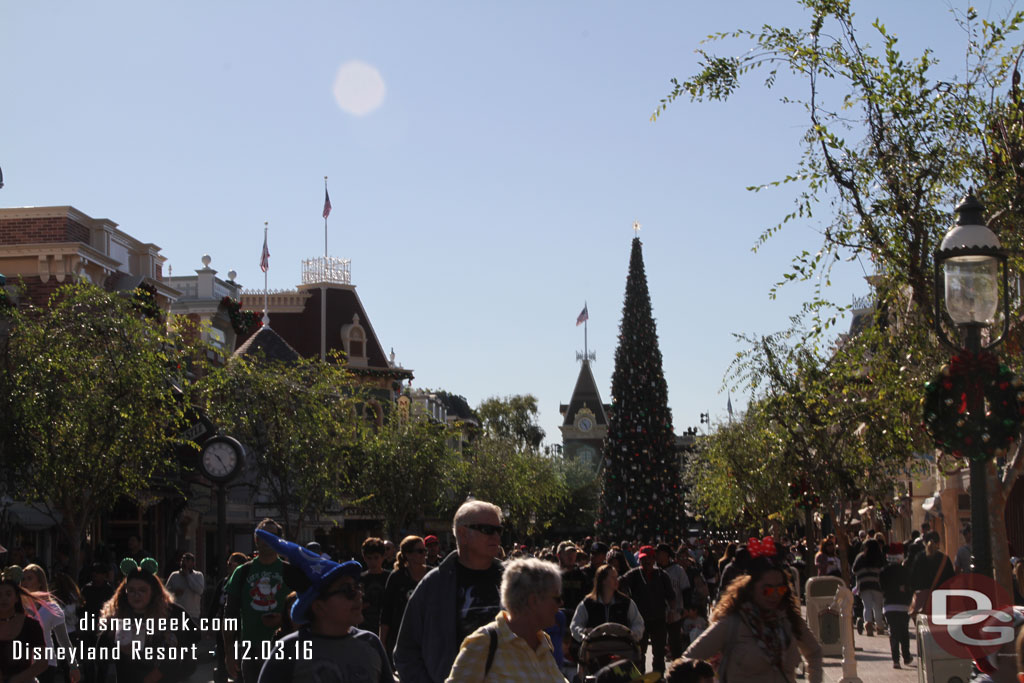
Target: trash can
822	618
935	665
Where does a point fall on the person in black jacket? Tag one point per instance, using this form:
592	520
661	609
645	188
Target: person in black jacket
606	604
652	592
896	596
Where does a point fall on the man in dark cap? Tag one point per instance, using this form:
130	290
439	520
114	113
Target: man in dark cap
598	556
652	592
666	560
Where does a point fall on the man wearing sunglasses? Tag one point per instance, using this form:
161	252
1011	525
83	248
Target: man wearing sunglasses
454	599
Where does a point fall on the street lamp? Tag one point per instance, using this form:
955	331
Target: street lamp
967	273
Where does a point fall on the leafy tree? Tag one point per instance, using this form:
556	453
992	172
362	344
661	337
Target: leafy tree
889	146
506	466
512	417
640	488
93	415
739	476
407	470
299	424
578	509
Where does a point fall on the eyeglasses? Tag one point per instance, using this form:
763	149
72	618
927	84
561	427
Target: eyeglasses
488	529
418	551
349	591
769	591
136	592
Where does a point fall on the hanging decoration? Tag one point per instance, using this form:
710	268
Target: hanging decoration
243	323
802	495
947	419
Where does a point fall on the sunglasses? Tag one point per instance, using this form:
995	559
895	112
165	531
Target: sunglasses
349	591
769	591
488	529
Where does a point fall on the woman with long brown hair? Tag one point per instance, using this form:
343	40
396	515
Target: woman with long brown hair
141	599
410	566
757	627
606	603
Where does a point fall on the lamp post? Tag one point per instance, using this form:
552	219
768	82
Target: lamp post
967	266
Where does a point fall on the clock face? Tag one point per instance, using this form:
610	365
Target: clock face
585	424
219	460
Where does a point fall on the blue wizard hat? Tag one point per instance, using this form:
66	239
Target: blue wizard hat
319	569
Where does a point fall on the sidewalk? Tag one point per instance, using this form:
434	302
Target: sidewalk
874	663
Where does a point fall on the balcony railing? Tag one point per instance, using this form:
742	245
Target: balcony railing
330	270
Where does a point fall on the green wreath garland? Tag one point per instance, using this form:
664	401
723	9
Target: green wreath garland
949	423
242	322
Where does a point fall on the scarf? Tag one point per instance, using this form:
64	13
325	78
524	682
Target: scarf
770	633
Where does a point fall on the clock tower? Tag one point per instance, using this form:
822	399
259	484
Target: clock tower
585	418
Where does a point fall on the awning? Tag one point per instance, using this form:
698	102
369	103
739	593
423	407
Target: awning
31	516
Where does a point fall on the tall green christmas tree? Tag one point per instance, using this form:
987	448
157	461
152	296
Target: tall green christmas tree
641	496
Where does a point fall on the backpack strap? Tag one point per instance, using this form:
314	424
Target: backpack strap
492	647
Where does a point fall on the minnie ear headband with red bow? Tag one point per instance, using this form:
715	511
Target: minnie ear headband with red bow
762	548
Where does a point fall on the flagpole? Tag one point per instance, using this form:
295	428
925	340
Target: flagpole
323	291
586	349
266	317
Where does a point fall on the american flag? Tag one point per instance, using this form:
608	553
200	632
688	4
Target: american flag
265	255
583	316
327	203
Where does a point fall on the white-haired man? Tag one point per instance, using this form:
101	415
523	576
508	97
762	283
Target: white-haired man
454	599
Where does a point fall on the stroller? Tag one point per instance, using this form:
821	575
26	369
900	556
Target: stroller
606	644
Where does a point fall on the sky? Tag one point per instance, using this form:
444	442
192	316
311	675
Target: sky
486	163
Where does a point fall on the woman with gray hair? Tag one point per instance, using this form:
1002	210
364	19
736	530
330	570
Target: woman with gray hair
514	646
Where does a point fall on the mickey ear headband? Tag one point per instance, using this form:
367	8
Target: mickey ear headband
12	573
128	565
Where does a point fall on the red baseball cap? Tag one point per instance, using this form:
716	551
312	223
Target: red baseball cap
430	540
645	551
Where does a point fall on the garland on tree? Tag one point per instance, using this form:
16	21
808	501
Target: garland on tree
802	495
242	322
950	424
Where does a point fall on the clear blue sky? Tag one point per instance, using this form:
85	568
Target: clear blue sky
482	200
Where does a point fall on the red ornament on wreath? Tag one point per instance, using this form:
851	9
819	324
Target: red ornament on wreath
946	418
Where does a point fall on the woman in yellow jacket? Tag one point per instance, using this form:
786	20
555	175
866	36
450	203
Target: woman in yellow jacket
514	648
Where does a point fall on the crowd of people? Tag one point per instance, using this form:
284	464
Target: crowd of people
415	614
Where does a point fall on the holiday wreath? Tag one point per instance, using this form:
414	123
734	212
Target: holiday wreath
243	322
948	420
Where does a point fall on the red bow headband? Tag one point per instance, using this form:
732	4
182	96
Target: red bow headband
763	548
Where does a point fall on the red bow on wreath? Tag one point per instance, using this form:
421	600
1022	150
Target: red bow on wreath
763	548
966	364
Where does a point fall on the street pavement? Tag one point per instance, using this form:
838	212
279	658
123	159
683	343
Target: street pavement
874	664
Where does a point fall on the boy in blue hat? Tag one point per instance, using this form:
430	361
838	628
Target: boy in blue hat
327	646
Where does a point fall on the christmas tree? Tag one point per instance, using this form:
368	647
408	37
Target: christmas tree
640	487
